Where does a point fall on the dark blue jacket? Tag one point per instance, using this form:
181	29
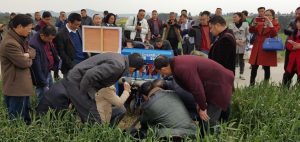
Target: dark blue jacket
40	64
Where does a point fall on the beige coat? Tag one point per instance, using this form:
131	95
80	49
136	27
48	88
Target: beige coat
240	34
107	97
15	66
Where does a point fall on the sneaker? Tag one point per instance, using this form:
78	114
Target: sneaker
242	77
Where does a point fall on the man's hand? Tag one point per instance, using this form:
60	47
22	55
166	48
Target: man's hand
203	115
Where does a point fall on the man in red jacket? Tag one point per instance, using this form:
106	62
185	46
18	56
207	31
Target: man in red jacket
209	82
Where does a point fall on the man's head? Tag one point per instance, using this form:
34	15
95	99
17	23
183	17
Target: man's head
141	14
218	12
217	24
47	17
37	16
136	62
12	15
172	16
48	33
159	43
74	21
183	18
162	65
297	12
184	11
245	14
146	88
154	14
261	11
62	15
105	13
97	20
83	13
204	18
22	24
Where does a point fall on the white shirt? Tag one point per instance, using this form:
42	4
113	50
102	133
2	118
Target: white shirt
70	29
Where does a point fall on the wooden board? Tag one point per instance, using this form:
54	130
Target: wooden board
98	39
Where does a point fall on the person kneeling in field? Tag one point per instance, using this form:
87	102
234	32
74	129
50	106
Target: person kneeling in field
164	111
83	82
107	97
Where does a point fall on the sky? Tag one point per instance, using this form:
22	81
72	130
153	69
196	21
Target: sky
132	6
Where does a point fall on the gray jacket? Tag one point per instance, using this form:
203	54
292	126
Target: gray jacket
195	32
87	21
166	112
99	71
240	34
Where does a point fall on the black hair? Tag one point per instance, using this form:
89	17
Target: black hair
105	12
142	10
184	16
298	8
95	16
108	16
240	15
261	8
160	83
83	10
245	12
184	10
62	12
46	14
161	62
28	14
146	88
136	61
48	30
36	12
20	19
217	20
205	13
272	12
296	29
154	11
219	8
74	17
12	14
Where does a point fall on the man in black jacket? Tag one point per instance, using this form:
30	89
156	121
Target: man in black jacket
223	48
162	44
69	44
85	79
46	59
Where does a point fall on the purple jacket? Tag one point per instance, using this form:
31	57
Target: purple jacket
206	80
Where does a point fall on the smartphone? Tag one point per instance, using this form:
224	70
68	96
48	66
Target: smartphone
260	19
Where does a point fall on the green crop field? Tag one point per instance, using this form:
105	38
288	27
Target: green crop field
261	113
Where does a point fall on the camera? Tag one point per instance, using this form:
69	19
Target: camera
139	23
169	22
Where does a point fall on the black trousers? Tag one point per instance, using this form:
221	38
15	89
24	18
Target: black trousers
287	78
240	61
187	47
174	44
64	92
254	73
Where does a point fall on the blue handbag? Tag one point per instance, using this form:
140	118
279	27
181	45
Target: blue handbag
273	44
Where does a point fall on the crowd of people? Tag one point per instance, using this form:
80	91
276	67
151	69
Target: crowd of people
31	48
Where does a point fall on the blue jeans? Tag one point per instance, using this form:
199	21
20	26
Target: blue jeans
40	91
18	106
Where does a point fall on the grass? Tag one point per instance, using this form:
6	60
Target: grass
265	112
